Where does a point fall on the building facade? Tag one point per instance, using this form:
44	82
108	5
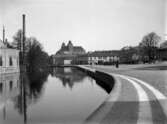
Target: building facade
67	54
162	54
103	57
76	55
9	59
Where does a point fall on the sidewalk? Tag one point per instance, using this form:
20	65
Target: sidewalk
147	72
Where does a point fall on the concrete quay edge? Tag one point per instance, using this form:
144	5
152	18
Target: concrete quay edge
104	108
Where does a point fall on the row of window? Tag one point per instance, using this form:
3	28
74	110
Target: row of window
97	58
10	61
10	84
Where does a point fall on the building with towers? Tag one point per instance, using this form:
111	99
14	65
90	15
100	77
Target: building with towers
70	49
67	54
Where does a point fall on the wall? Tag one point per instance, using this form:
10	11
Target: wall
6	54
103	79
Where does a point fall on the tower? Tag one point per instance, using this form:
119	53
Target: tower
63	45
70	46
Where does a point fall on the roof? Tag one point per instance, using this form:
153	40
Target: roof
103	53
78	49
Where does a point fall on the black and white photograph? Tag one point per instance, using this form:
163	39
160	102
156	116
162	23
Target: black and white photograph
83	61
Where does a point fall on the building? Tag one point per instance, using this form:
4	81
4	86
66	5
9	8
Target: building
103	57
70	54
9	59
70	49
67	54
81	59
162	54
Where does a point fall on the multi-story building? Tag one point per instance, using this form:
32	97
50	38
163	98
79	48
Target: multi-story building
67	54
9	59
103	57
162	54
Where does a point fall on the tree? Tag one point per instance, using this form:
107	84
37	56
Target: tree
129	55
37	59
17	39
148	46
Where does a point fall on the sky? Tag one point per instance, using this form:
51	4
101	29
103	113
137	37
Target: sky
93	24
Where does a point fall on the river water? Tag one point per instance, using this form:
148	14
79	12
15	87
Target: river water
60	95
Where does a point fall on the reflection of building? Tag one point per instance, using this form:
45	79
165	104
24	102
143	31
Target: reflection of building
9	59
68	76
67	54
9	86
9	89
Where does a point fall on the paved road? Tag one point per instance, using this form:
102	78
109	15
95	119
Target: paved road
132	101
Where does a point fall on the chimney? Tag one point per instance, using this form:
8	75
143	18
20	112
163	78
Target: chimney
3	34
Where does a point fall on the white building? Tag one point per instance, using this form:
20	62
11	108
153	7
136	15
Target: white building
102	57
9	59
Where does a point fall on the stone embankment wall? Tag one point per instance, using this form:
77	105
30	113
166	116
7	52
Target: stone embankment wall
103	79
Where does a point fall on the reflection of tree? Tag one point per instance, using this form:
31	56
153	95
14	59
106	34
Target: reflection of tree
37	80
21	99
68	76
31	85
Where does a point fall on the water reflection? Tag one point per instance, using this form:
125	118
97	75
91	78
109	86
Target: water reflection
71	76
68	76
22	92
22	89
9	89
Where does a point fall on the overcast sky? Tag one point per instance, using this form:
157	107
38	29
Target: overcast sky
93	24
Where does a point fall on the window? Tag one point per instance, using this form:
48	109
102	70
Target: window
1	87
10	61
1	62
11	85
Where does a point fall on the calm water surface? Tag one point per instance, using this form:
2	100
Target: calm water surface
61	95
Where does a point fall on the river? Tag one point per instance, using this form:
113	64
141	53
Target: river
59	95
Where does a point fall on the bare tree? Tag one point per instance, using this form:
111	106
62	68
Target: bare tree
17	39
149	45
36	57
